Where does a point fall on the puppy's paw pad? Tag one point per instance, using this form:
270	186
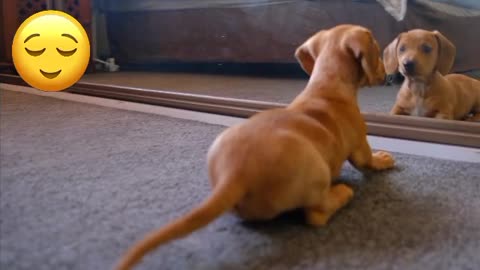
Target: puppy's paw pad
383	160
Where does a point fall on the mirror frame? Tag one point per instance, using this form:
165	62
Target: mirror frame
402	127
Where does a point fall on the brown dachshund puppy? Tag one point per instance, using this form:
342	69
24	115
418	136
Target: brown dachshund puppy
285	159
424	58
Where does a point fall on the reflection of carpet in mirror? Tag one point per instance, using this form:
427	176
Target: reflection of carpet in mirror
377	99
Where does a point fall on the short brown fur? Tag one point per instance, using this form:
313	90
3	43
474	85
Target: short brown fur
286	159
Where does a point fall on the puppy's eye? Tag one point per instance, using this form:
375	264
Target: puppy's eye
402	48
35	53
66	53
426	48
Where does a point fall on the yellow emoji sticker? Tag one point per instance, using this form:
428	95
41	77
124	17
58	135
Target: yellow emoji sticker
51	50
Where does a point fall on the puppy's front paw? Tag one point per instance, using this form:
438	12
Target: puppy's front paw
382	160
317	219
473	118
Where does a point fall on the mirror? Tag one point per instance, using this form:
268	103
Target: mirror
244	49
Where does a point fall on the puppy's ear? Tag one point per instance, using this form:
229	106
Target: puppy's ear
390	60
365	49
307	53
446	53
305	58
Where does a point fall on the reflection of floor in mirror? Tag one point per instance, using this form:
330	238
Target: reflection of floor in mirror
377	99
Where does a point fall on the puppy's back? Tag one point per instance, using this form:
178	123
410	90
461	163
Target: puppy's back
467	90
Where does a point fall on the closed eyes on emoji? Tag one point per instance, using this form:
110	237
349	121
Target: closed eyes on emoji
33	52
65	53
69	52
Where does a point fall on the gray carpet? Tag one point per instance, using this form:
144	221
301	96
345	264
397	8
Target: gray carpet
80	183
378	99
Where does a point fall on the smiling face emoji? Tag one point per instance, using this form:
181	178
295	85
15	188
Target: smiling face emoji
51	50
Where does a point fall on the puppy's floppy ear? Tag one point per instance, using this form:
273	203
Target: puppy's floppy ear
446	53
365	49
308	52
390	60
305	58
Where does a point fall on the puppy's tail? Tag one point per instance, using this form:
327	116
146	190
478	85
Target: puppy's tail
223	198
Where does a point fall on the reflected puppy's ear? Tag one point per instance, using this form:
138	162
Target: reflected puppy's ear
446	53
390	60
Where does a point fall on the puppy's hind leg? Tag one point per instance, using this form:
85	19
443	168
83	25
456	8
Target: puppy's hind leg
323	199
333	200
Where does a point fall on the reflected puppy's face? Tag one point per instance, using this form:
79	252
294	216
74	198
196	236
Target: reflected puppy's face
419	53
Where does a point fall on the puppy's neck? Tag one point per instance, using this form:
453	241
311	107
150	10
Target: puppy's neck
417	87
333	79
420	86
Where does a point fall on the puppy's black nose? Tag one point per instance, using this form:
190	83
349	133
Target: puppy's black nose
409	66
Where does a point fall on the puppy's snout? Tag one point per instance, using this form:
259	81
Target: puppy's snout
409	66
